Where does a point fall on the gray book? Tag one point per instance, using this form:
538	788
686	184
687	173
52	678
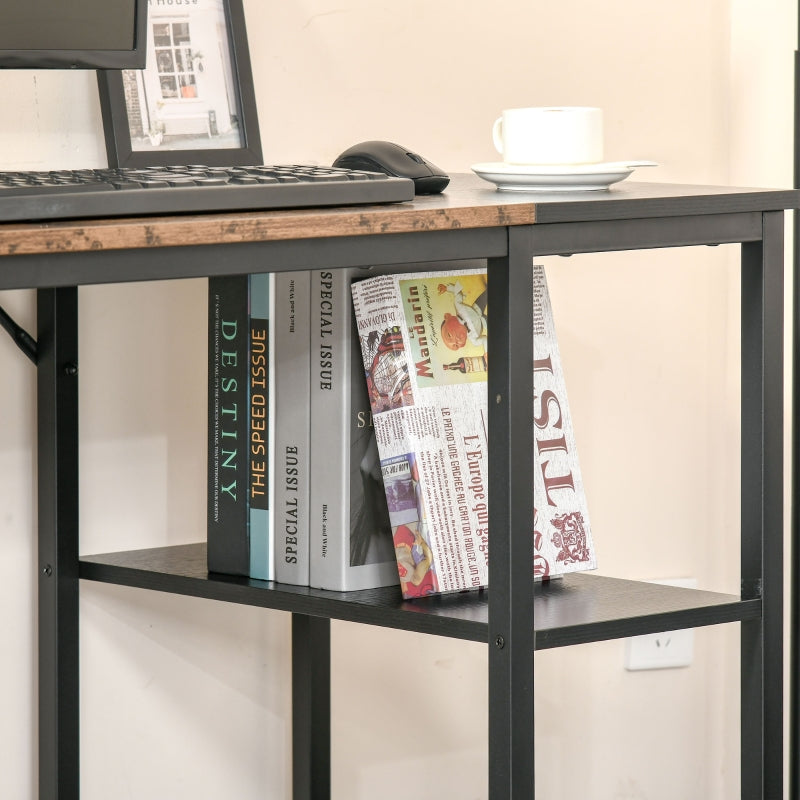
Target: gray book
290	319
350	533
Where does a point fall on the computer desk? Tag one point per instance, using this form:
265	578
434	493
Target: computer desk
469	221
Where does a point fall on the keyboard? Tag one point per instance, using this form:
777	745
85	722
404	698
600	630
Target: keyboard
132	191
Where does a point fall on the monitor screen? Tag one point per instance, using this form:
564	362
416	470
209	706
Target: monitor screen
73	34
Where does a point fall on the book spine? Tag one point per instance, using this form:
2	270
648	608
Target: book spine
291	316
350	536
329	398
260	432
228	548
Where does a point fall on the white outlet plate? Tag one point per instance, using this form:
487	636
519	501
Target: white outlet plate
662	650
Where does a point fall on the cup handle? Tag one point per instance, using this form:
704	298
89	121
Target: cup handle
497	135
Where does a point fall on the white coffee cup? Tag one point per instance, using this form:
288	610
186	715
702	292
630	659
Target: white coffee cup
550	135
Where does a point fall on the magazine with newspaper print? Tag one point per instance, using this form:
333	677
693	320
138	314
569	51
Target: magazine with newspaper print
423	340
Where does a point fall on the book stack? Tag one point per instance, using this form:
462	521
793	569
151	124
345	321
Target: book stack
323	520
347	432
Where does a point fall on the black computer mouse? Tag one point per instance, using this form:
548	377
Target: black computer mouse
396	160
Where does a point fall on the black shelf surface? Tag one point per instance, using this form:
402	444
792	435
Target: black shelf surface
576	609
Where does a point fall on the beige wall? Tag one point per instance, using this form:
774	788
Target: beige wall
186	698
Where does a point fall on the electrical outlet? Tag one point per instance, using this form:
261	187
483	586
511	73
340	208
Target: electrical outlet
662	650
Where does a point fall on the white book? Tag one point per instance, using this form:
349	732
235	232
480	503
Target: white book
562	534
350	536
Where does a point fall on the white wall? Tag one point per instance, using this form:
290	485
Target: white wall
187	698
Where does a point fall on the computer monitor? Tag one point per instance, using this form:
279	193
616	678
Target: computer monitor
73	34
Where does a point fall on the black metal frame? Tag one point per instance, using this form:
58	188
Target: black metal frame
116	124
57	401
762	511
311	707
794	556
510	632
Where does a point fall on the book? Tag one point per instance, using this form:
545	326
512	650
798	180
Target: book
423	338
239	427
290	315
562	534
349	531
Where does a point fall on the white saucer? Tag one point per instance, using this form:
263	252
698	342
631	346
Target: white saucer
557	178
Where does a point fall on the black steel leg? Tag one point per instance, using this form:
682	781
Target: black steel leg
794	565
511	637
762	511
311	703
58	544
794	624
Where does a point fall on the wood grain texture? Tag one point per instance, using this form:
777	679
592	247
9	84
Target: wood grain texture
465	206
468	202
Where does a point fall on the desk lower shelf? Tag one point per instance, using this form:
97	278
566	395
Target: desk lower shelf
577	609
